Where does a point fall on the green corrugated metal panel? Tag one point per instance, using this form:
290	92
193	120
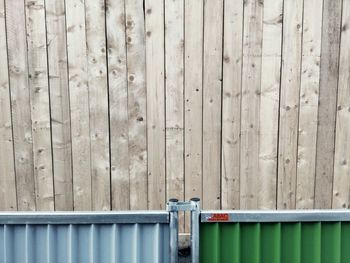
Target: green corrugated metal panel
300	242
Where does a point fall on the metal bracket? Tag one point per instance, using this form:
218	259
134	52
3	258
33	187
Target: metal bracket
173	207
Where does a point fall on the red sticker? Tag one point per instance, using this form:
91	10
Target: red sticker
219	217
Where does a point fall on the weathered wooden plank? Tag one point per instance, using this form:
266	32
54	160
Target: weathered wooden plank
154	26
289	103
327	103
231	104
212	89
252	48
309	90
40	104
20	103
98	102
193	98
8	195
174	84
118	104
341	184
135	39
59	102
269	103
79	102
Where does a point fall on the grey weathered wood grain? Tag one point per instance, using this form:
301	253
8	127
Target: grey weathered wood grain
174	99
231	104
154	26
327	102
7	165
98	103
136	61
212	90
40	104
79	104
118	104
193	98
20	103
59	103
250	114
341	180
289	104
269	103
309	90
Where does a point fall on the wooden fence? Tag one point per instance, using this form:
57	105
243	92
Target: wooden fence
121	104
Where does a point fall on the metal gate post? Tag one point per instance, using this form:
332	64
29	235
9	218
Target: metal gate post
173	207
174	229
195	213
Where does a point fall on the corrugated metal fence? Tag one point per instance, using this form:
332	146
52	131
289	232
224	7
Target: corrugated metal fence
122	104
305	237
82	238
317	236
275	242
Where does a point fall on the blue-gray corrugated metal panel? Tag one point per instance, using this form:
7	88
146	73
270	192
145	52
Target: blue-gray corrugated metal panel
96	243
84	237
111	217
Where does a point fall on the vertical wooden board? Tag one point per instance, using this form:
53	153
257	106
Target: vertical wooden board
7	165
98	101
135	39
341	185
269	103
79	102
289	103
20	103
309	90
327	103
193	98
174	123
212	90
40	104
118	105
154	26
231	103
252	48
59	101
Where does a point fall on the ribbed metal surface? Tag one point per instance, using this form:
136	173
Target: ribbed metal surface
252	216
88	243
299	242
64	218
